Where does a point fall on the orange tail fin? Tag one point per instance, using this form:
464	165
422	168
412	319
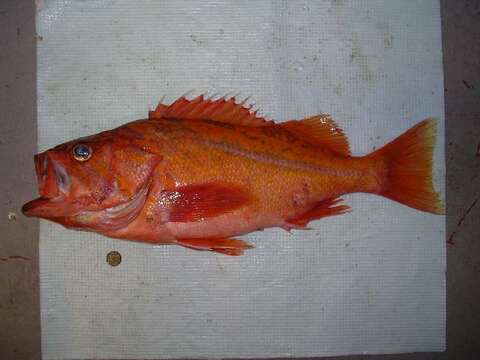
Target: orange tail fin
409	168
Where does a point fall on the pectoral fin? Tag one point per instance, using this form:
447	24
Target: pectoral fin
202	201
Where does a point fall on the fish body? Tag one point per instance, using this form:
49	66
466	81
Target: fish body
198	172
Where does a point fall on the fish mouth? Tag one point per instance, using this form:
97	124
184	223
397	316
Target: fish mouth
39	207
53	186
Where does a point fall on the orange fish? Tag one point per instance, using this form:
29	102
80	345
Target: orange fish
198	172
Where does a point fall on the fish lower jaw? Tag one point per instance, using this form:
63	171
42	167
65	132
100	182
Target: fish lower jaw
42	206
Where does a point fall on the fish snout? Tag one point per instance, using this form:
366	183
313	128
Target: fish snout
53	179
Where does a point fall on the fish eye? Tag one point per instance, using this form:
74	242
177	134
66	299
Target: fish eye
82	152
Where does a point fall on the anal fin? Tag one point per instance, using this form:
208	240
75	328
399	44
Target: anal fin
232	247
324	208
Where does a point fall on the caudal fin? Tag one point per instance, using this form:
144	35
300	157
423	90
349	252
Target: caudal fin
409	168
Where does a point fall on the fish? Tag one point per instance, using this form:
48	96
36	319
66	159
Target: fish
200	172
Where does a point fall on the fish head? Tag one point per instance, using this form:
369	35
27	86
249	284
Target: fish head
81	181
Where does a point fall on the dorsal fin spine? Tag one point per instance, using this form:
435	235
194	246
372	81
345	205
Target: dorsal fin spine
220	110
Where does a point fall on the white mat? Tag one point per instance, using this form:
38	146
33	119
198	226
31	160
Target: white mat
371	281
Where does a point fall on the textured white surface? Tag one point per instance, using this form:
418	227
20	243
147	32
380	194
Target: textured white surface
371	281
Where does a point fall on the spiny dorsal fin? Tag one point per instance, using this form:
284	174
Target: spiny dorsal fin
199	108
320	130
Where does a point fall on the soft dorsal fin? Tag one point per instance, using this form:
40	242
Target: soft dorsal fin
221	110
320	130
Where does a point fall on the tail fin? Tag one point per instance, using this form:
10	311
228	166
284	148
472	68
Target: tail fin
409	168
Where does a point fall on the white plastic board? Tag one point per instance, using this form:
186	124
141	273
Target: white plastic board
371	281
